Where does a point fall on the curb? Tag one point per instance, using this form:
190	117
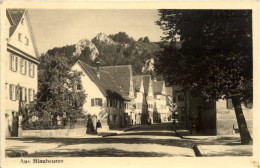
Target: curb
197	151
179	135
112	134
129	129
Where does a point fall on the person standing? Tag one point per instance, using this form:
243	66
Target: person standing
90	127
94	120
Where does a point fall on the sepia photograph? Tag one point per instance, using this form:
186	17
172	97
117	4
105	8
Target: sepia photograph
127	83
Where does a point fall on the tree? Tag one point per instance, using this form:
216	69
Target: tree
57	94
215	59
146	39
121	37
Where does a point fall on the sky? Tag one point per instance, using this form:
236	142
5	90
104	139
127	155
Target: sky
60	27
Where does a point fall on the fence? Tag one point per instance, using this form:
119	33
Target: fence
47	124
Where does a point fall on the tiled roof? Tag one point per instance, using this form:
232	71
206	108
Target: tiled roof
169	91
16	15
106	82
157	87
137	81
122	75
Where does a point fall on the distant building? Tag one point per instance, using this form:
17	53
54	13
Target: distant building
212	117
104	96
169	102
160	112
123	76
21	77
148	103
139	98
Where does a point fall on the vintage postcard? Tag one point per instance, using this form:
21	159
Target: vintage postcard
129	84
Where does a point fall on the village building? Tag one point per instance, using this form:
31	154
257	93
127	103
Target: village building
139	98
169	103
160	112
21	76
104	97
148	103
210	117
123	76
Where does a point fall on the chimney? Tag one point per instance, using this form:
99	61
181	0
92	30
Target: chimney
98	73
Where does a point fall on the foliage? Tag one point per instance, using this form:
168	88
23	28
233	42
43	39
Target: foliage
215	60
216	54
121	37
57	94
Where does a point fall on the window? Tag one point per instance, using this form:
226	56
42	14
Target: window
139	105
22	21
79	86
31	69
12	92
20	37
181	98
31	94
24	94
23	66
96	102
27	41
229	104
13	62
17	93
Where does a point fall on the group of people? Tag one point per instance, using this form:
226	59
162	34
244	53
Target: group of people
93	125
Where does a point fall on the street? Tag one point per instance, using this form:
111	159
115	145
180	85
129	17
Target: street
156	140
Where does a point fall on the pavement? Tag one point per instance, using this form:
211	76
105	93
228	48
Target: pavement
212	146
156	140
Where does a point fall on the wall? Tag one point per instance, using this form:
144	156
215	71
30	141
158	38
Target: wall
24	30
226	118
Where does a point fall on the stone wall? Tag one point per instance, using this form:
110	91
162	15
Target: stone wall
226	119
54	133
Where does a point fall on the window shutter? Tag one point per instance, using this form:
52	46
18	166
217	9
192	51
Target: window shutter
33	94
16	63
29	94
92	102
100	102
30	69
16	93
11	92
11	61
25	94
25	67
229	104
21	66
33	71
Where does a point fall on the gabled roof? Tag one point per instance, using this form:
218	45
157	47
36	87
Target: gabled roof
9	17
105	83
122	74
169	91
158	87
137	81
15	17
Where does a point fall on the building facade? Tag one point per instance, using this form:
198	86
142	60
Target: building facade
160	111
139	99
104	97
123	76
21	77
148	103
